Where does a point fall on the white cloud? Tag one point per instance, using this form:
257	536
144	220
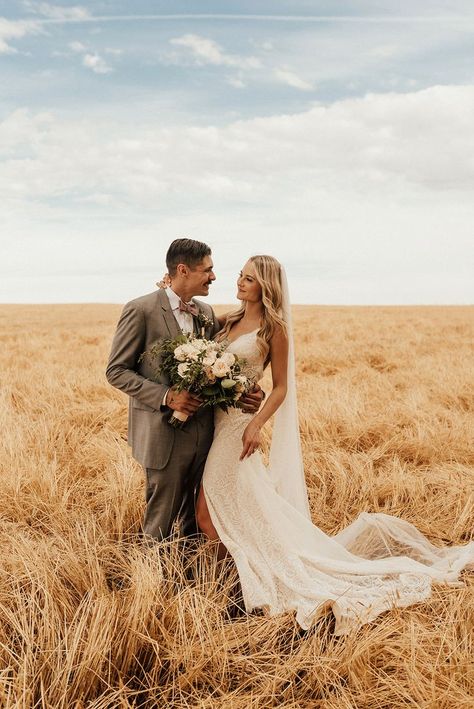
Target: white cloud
207	51
57	12
96	63
15	29
285	76
93	60
77	47
422	138
380	184
371	54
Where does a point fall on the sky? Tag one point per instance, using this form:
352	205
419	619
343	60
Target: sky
336	136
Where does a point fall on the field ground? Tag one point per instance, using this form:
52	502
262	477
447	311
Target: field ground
92	617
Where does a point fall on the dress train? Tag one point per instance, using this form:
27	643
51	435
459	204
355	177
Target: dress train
287	563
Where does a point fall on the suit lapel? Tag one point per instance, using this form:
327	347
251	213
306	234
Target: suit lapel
170	320
196	326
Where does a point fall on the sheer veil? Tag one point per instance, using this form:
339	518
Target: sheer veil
286	460
390	543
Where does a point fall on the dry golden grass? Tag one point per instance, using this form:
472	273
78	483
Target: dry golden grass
91	617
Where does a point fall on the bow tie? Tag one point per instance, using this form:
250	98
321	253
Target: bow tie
188	308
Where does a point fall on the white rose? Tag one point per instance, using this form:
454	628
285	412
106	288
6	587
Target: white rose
183	369
199	345
220	368
228	358
209	358
190	352
180	354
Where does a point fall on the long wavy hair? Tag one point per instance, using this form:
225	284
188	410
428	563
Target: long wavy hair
268	275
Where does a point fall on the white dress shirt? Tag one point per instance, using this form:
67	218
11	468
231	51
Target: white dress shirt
184	320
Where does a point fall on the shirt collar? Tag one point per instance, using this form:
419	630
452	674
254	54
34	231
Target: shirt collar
174	298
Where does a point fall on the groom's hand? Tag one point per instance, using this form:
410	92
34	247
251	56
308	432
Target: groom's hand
250	402
182	401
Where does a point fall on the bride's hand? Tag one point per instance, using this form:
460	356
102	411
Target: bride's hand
250	439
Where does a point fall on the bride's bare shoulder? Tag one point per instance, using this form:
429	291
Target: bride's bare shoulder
278	342
222	319
279	333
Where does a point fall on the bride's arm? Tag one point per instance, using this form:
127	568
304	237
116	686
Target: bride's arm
279	361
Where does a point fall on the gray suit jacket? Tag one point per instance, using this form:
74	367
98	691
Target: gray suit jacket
144	322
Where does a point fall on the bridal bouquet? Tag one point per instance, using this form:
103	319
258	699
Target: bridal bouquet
202	367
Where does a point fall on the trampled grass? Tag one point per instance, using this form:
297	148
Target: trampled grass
92	617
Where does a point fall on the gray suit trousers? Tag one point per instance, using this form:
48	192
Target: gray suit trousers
171	492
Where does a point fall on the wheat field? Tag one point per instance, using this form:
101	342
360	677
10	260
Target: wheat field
93	617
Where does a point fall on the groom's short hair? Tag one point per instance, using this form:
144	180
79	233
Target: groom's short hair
187	251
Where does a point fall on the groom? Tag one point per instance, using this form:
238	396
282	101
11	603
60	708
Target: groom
173	459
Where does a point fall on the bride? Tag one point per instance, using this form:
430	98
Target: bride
261	515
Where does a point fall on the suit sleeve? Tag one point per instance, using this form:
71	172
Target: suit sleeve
216	326
127	346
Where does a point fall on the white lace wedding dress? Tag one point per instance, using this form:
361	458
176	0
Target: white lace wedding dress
286	563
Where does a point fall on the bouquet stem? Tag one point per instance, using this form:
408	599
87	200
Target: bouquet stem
177	419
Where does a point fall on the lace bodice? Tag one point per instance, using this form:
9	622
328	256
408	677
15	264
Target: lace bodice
245	347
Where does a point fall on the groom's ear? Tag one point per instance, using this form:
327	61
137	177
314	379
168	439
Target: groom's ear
182	269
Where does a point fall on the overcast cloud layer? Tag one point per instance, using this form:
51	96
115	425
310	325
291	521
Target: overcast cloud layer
343	147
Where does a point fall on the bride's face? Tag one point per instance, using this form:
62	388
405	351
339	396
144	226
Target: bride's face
248	288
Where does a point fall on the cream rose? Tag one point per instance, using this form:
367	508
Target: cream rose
199	345
210	375
190	352
228	358
220	368
209	359
180	353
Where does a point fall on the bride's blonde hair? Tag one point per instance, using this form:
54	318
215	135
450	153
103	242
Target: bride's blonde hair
268	276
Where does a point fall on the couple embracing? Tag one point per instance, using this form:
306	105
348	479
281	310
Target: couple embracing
209	475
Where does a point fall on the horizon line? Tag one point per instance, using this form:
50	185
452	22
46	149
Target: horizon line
234	304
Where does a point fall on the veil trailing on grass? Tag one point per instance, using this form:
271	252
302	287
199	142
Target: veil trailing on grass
377	562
